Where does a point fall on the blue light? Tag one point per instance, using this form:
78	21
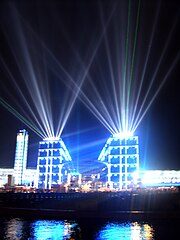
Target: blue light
123	134
126	231
50	229
126	152
52	157
51	139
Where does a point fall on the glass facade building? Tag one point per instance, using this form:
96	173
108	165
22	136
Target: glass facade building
21	157
53	163
121	156
159	178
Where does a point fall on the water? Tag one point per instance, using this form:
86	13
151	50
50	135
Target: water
86	229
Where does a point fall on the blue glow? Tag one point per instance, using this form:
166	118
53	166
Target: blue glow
126	231
51	159
160	178
123	134
21	156
121	156
51	139
50	229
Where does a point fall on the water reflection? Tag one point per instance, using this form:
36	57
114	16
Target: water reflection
47	229
44	229
126	231
14	229
86	229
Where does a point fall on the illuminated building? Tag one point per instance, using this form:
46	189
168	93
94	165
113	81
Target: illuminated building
74	179
160	178
121	156
53	163
4	174
20	156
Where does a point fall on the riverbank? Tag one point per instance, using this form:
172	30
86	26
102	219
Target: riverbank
123	205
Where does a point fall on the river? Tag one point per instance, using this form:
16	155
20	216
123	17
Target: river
86	229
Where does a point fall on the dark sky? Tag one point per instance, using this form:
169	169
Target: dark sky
75	33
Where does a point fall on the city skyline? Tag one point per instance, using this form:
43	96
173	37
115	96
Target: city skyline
83	134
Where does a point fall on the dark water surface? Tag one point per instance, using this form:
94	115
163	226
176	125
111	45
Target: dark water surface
86	229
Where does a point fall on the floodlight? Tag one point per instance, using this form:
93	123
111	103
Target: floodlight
123	134
51	139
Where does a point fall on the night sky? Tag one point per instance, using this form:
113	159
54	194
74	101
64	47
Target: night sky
74	32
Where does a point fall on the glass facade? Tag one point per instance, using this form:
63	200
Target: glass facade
121	156
53	163
21	157
158	178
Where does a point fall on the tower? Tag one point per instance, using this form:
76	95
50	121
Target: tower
121	156
52	166
20	156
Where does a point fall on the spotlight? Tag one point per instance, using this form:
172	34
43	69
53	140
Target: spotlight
51	139
123	134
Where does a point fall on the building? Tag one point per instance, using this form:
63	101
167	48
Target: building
121	157
159	178
21	157
7	177
4	173
53	163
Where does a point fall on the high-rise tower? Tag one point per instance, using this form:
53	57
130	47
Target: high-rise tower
121	156
20	156
53	159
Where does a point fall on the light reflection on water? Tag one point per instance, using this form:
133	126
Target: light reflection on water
126	231
48	229
16	228
89	229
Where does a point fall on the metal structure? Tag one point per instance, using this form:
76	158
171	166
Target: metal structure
121	156
52	166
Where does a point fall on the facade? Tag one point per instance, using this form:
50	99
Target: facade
30	176
4	174
7	177
121	156
20	156
53	163
159	178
